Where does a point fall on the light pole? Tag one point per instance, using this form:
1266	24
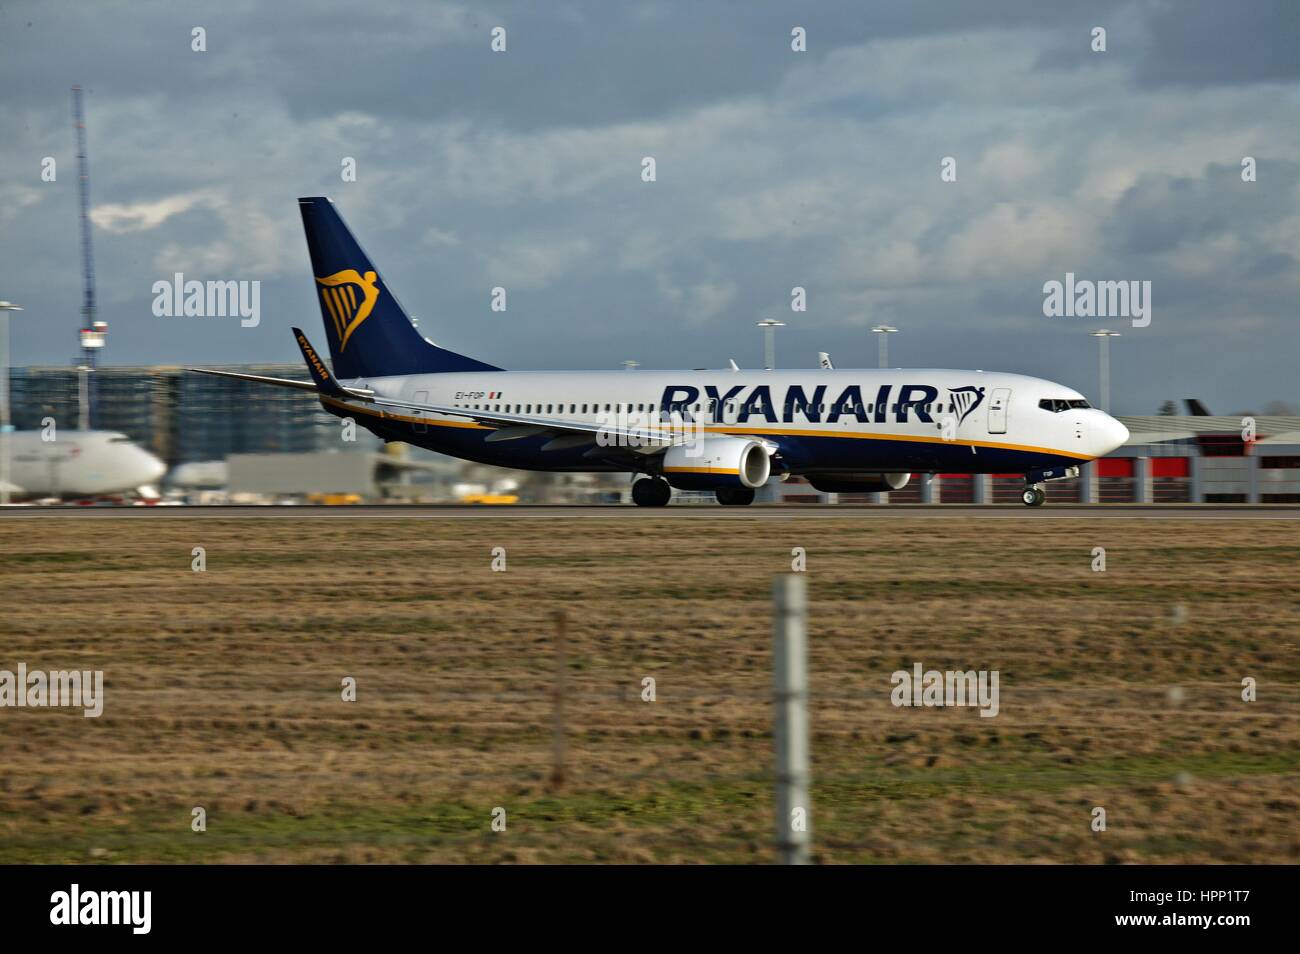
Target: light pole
884	331
769	326
1103	372
5	427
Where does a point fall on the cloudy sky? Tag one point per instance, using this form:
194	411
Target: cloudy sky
775	169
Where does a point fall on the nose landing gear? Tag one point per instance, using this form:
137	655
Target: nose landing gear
1035	491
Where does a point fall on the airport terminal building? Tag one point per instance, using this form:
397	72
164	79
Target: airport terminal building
180	416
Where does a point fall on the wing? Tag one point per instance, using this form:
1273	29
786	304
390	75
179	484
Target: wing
259	379
642	439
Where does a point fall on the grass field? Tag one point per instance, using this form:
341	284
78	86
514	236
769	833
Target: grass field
223	690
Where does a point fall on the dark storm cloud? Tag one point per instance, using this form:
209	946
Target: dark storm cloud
616	62
1208	42
1188	43
1161	212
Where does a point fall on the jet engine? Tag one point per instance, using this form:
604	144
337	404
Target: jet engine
858	483
713	462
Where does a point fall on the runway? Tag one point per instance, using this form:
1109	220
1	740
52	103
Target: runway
682	512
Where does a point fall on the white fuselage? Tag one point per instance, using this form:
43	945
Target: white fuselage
824	420
77	464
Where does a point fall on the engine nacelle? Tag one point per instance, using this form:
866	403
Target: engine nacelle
858	483
714	462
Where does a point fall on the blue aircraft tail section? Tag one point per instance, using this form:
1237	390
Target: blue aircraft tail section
369	334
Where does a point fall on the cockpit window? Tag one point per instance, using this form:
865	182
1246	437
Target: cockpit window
1057	405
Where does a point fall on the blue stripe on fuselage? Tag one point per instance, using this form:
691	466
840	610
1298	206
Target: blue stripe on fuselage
801	453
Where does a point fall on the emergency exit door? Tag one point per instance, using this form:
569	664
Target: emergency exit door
998	410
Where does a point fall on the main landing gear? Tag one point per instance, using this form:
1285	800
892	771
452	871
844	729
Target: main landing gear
651	492
1034	495
735	496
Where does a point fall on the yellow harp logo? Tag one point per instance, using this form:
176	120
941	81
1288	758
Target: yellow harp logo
339	294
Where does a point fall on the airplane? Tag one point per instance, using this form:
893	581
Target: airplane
721	431
79	464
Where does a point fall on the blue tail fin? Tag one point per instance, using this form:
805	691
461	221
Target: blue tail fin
368	332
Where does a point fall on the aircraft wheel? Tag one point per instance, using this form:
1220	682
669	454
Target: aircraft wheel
1034	496
735	496
651	492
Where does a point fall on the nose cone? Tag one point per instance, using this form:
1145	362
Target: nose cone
1109	434
148	469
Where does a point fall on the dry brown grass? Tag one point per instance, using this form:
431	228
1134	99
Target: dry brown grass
223	689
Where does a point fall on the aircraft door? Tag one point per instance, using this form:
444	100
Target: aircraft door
998	410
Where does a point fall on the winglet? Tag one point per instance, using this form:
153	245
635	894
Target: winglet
320	374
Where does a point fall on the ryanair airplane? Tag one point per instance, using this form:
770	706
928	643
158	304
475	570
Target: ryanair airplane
725	431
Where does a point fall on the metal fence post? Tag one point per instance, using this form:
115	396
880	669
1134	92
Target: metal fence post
561	671
1142	479
790	668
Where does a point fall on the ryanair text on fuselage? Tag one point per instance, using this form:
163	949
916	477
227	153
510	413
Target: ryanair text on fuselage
812	405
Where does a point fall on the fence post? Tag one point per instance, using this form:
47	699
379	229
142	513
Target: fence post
1088	482
557	699
1142	491
790	669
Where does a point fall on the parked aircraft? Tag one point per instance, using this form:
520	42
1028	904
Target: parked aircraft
79	464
